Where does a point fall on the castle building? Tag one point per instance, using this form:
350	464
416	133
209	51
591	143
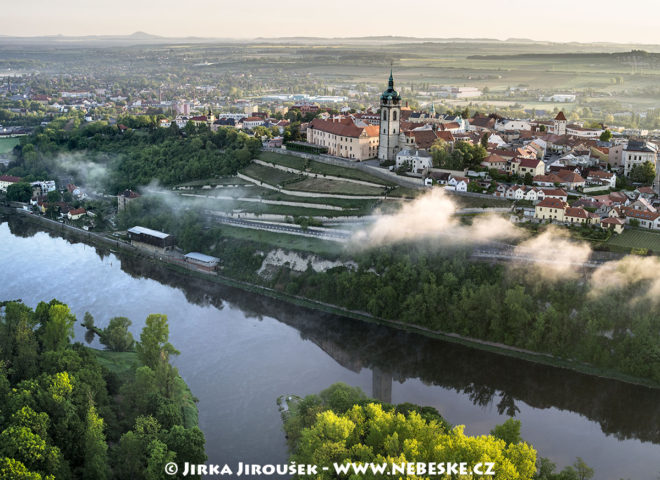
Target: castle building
390	116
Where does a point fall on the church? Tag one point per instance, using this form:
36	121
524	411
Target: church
390	118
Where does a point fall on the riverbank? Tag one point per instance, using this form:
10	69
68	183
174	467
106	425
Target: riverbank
96	239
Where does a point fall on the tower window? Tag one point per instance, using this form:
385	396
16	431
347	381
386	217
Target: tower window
385	115
394	115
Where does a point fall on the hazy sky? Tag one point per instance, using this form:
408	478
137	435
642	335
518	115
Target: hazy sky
636	21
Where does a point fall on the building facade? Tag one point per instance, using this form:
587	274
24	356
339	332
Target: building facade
390	118
343	138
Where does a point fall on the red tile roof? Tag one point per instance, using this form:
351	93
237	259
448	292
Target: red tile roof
640	214
557	192
577	212
527	162
560	116
552	203
344	128
10	178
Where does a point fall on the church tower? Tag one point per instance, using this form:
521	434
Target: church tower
560	124
390	116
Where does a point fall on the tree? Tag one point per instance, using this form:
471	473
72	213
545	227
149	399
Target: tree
19	192
509	431
154	347
584	472
528	179
54	196
644	173
11	469
606	136
373	433
96	450
116	336
58	330
484	140
474	187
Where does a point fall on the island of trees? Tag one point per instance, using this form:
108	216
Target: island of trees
341	425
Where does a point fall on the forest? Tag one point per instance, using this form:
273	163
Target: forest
70	412
444	291
134	152
341	425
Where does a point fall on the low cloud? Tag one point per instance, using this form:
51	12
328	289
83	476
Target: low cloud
641	272
432	216
555	255
90	174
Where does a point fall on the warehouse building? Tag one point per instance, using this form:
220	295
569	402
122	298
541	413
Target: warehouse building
152	240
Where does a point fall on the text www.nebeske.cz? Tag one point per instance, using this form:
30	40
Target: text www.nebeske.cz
409	468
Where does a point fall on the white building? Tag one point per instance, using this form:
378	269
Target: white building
508	124
417	159
638	153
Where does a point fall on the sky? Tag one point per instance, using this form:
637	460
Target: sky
556	20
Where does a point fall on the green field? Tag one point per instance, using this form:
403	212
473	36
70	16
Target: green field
321	185
321	168
633	238
119	363
8	144
271	176
216	181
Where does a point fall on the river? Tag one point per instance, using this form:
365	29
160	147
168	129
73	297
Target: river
240	351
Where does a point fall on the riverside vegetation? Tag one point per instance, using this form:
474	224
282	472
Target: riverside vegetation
440	289
342	425
68	411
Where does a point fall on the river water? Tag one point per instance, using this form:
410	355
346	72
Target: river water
240	351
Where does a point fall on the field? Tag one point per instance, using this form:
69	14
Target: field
633	238
322	185
271	176
8	144
321	168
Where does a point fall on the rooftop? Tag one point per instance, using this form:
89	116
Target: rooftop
147	231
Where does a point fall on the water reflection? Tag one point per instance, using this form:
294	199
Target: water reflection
622	410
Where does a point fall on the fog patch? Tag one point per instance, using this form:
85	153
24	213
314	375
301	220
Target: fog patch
433	216
555	254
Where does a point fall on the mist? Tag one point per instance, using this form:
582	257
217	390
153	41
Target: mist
433	216
554	253
640	273
89	174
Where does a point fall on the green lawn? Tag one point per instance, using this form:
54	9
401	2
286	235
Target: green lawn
290	161
633	238
322	185
8	144
117	362
271	176
360	204
320	167
216	181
